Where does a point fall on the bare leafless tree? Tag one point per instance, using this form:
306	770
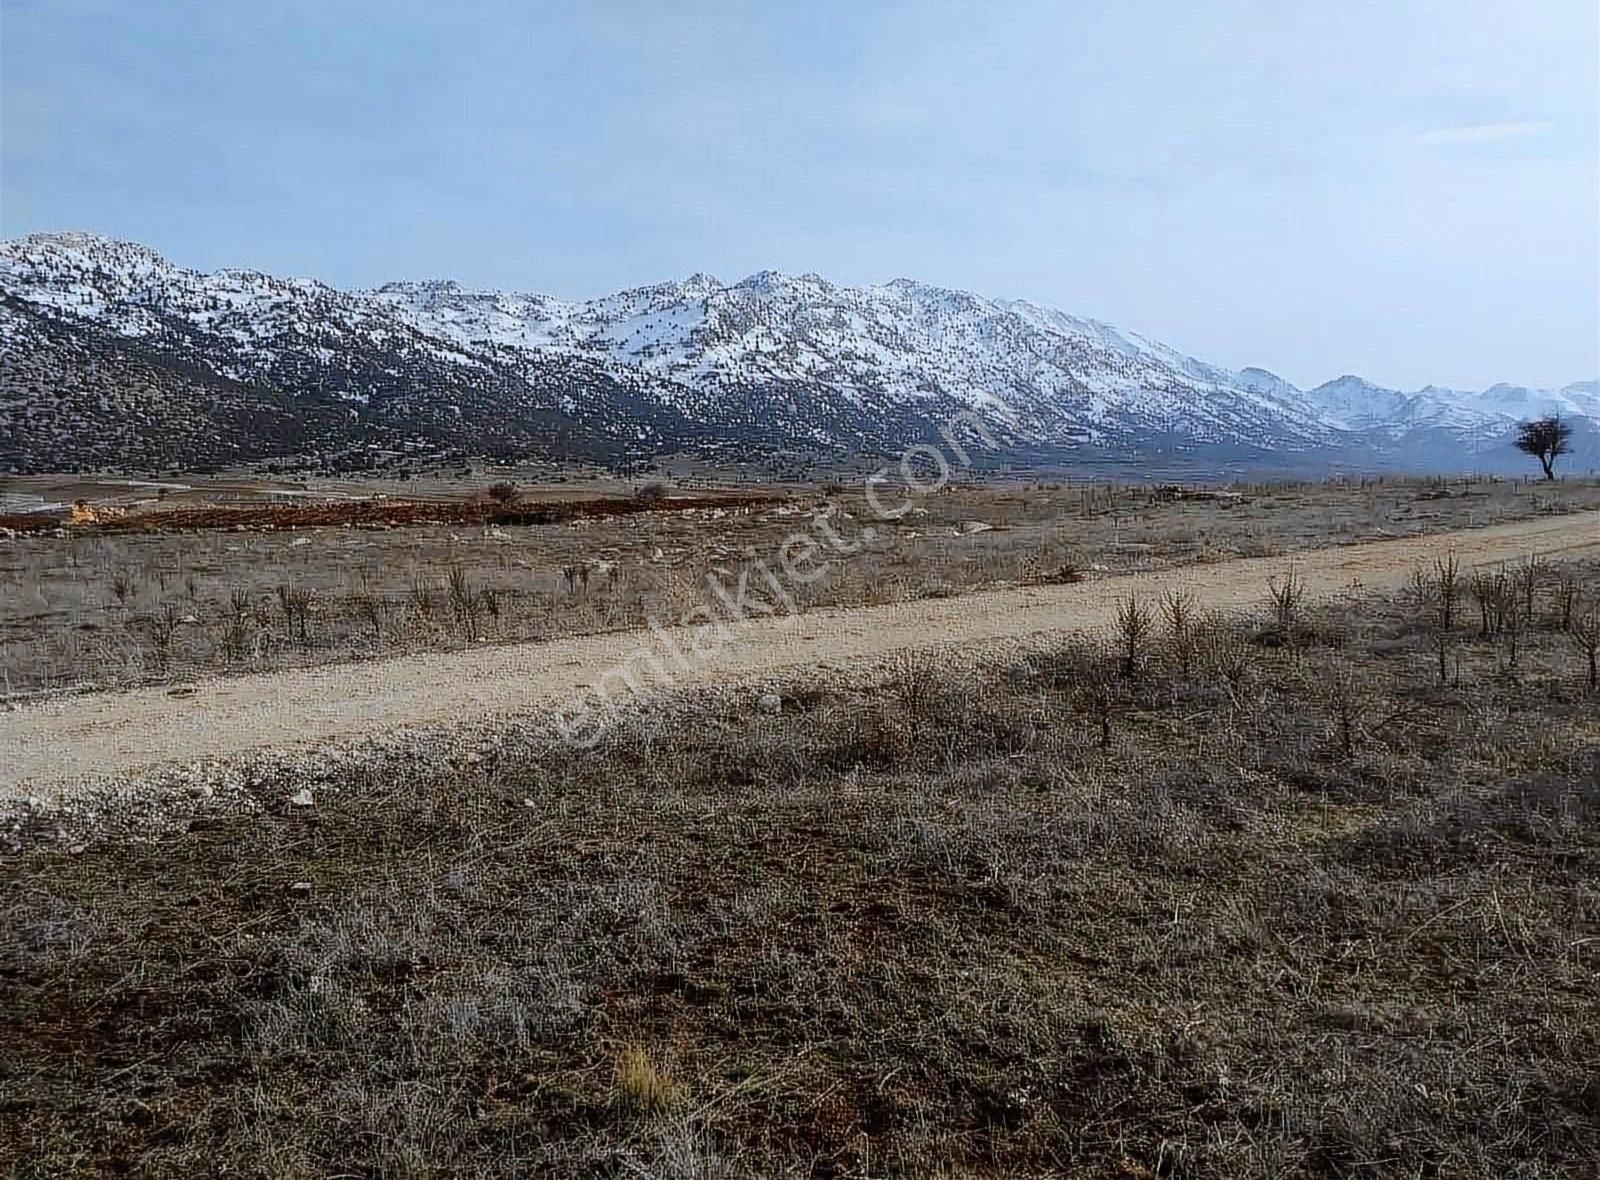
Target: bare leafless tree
236	638
464	600
421	597
1491	590
371	606
1530	576
1342	689
1135	622
1447	580
1512	624
295	602
122	585
1226	654
1178	608
163	627
1567	598
1286	595
1585	632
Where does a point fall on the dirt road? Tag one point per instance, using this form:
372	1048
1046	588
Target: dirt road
50	744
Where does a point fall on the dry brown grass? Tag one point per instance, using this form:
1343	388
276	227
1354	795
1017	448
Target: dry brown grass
78	611
1302	911
641	1083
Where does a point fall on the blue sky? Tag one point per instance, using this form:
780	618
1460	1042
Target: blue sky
1405	190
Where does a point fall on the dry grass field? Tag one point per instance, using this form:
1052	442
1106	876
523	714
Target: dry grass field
86	609
1312	892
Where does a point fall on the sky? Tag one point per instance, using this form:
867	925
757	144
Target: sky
1401	189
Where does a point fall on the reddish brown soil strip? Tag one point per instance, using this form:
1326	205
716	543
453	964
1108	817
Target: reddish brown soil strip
381	514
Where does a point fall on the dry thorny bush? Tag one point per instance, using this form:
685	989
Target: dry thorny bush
1244	908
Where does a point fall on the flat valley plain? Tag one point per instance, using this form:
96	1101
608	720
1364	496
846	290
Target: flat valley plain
1309	889
81	609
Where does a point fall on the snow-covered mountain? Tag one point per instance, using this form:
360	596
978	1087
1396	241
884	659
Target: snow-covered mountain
113	356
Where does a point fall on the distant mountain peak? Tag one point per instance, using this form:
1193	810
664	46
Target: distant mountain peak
773	360
701	283
80	239
1349	381
425	286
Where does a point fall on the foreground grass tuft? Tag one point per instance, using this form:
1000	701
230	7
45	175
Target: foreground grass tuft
642	1084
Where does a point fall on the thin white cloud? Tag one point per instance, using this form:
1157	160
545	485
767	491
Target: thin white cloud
1486	133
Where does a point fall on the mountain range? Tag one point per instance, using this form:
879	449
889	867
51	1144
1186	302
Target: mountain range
111	357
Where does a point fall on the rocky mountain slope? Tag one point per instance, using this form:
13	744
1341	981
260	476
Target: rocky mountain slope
111	356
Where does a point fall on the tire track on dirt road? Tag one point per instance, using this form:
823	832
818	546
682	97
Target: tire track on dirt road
82	738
